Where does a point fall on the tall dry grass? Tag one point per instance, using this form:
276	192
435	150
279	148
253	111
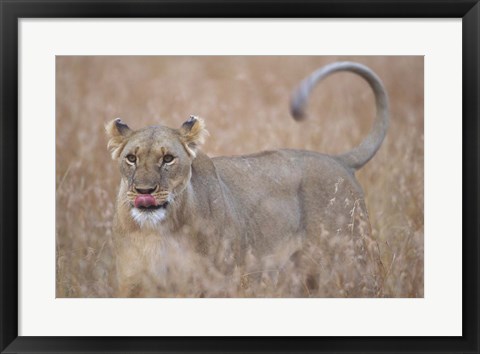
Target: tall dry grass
244	101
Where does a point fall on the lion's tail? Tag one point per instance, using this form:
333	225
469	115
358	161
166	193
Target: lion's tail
361	154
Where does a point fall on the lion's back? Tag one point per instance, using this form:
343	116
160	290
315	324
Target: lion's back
292	190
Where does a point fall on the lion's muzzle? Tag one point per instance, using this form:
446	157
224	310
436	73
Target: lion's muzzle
145	201
149	199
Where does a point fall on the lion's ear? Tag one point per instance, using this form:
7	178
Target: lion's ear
193	134
117	133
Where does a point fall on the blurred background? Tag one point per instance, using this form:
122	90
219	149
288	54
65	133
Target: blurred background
245	103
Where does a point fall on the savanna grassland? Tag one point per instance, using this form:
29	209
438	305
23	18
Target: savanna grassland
244	101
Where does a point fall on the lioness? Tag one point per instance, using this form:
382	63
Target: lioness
231	208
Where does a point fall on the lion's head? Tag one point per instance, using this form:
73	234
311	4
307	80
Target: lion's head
155	163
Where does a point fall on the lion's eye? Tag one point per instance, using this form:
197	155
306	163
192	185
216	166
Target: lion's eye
168	158
131	158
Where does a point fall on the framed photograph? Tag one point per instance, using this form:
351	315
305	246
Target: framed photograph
214	176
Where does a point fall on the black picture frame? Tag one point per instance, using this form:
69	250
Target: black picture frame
12	11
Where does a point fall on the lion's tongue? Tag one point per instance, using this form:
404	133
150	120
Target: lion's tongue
145	201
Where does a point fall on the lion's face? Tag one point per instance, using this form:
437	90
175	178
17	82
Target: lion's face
155	164
156	167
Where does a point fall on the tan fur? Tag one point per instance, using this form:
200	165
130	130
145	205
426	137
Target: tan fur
117	140
195	136
228	209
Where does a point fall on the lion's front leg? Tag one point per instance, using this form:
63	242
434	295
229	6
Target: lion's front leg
129	268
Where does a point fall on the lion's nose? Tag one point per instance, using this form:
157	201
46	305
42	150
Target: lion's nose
145	190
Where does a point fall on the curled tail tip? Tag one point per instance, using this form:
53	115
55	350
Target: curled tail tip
298	114
297	107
